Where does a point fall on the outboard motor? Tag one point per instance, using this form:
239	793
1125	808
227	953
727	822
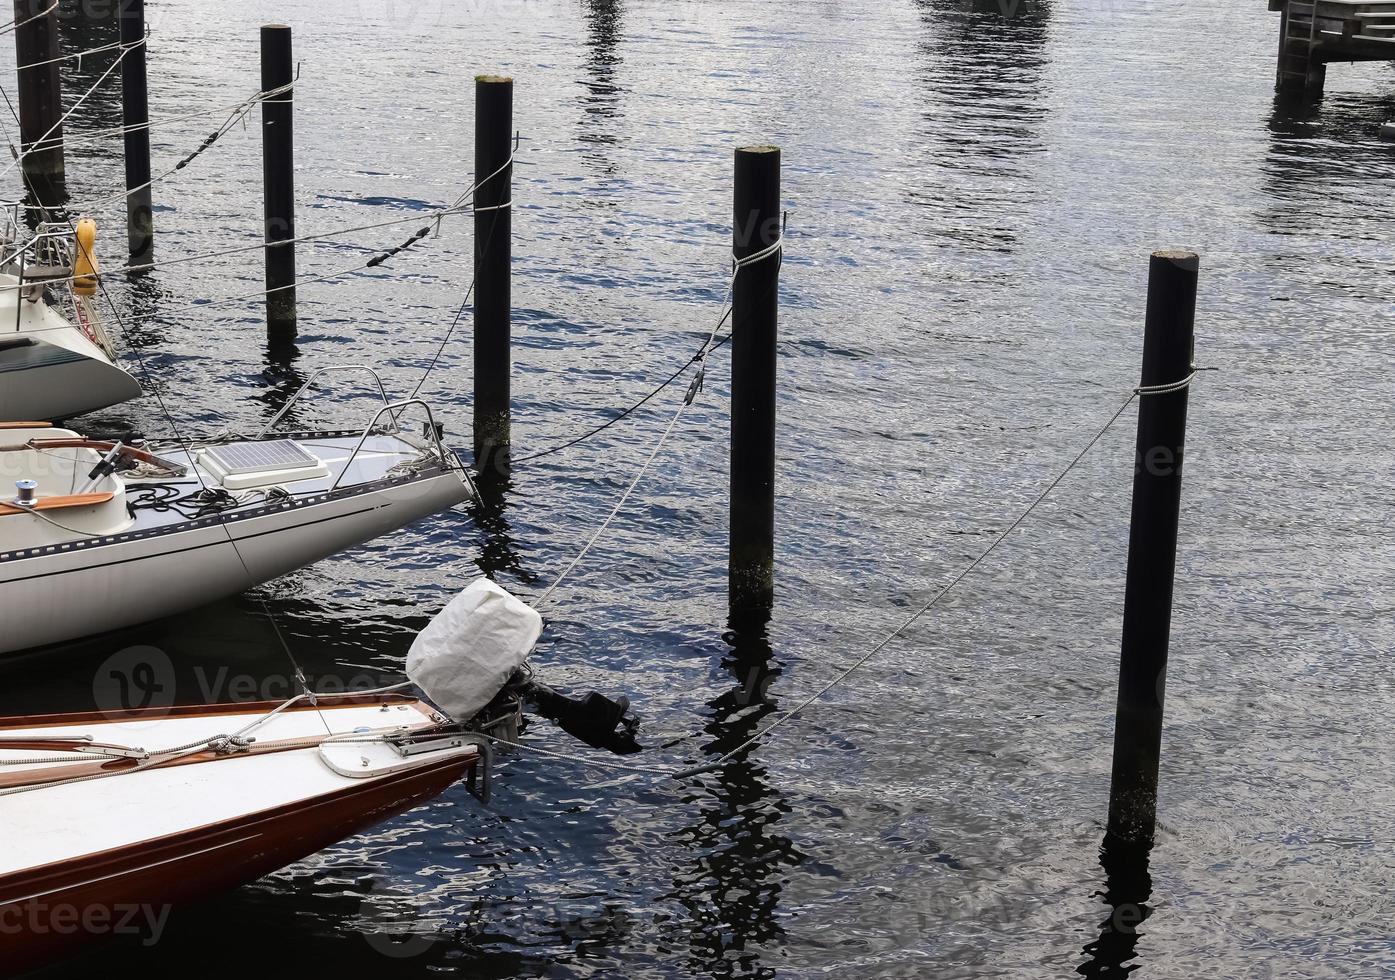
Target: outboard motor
594	719
475	651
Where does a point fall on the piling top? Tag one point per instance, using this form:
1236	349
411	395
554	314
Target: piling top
276	27
494	79
1186	259
758	149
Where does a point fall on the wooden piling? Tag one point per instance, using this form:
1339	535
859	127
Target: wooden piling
40	98
1157	496
278	169
493	249
135	117
756	213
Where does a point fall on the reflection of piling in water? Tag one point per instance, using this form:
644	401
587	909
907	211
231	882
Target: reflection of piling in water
601	103
982	65
1157	497
1128	886
737	877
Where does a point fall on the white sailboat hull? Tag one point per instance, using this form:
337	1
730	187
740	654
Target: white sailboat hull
69	593
102	836
47	381
54	364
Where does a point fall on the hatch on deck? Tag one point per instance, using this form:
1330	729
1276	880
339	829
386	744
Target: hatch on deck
246	465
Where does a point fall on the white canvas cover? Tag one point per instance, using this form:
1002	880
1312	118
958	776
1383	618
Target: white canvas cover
466	654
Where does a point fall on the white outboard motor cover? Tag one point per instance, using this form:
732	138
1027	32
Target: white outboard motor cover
470	650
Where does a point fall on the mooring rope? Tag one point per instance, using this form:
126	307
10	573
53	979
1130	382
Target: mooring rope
41	144
238	115
625	413
16	24
712	344
119	132
785	716
433	219
738	263
259	246
75	56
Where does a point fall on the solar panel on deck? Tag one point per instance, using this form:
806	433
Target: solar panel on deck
260	457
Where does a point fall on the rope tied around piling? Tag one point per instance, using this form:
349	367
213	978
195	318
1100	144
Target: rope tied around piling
1167	389
777	247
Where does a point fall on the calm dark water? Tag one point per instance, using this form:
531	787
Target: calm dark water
972	199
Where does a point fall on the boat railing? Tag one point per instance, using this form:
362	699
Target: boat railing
433	432
331	369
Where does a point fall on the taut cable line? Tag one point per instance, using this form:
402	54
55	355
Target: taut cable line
789	714
15	25
42	143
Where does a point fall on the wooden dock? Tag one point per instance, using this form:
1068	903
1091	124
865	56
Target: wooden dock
1313	33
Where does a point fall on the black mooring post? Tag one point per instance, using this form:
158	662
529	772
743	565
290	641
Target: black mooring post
278	170
40	98
1157	498
135	117
751	566
493	230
